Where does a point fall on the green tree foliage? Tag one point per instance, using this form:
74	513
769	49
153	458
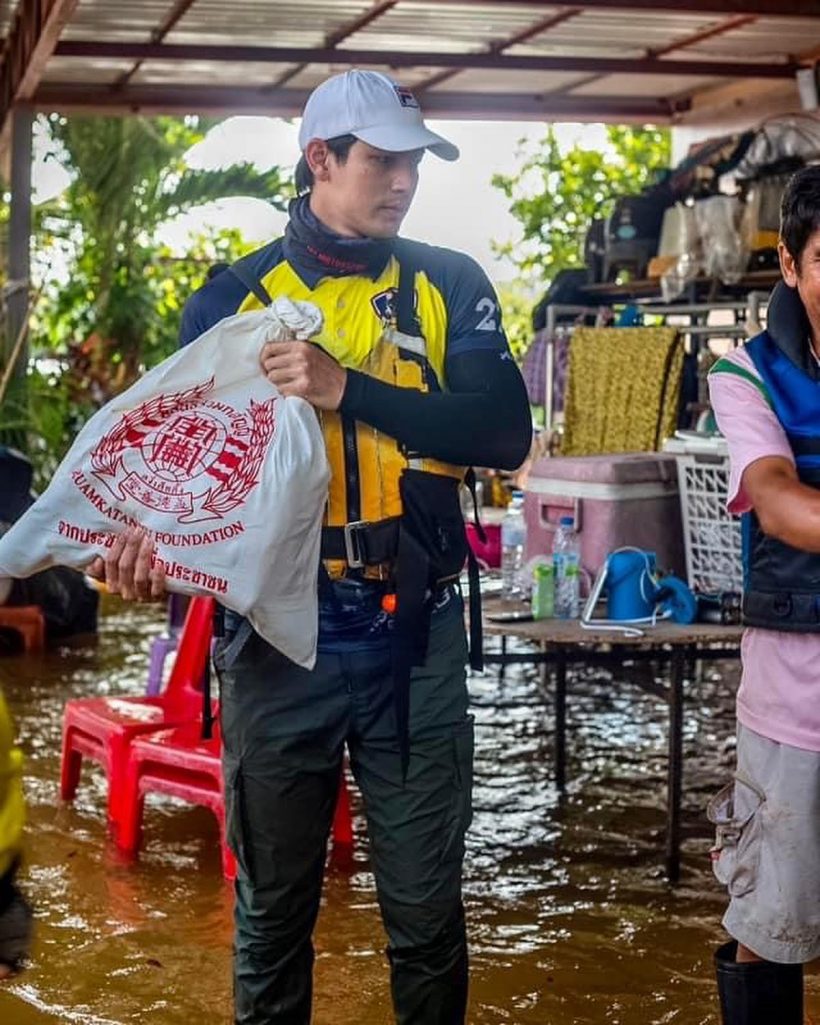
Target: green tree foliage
557	193
128	177
116	309
517	301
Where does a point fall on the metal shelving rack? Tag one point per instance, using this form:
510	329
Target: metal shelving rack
690	318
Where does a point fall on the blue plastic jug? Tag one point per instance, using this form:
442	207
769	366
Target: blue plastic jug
630	581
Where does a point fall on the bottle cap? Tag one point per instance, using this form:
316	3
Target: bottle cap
567	521
517	493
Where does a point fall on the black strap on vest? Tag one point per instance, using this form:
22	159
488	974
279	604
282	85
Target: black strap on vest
362	544
406	320
474	582
207	709
241	270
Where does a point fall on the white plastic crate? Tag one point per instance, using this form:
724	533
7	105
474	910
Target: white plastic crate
712	538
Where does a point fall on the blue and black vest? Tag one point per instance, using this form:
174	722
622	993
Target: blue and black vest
782	584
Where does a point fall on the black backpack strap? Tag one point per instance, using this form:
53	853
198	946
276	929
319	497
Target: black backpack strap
406	320
207	730
476	626
241	269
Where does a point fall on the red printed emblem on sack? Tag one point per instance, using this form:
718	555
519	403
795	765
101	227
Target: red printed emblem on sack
186	455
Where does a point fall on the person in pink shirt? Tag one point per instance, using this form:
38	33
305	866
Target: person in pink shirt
766	399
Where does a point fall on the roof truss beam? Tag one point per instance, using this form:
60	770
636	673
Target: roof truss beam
334	38
30	42
697	37
758	8
538	29
290	102
177	12
89	49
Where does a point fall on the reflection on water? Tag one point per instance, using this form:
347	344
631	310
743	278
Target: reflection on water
571	920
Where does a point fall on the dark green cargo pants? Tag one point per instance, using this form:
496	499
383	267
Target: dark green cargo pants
284	730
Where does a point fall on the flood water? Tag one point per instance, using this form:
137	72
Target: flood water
571	920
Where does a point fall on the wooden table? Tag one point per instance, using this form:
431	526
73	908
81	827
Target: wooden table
565	642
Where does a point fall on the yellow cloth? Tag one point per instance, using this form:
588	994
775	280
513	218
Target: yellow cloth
623	389
12	810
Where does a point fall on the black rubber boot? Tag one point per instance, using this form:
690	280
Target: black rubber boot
758	992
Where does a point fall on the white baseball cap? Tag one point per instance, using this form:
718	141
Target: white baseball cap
375	109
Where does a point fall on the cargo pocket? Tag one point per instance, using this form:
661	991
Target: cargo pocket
461	813
736	814
236	818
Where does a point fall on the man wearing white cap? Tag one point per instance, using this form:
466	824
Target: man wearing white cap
412	380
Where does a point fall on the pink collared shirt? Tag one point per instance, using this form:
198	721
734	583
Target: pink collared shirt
779	695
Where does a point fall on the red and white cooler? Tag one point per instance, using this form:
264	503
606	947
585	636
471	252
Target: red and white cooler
624	500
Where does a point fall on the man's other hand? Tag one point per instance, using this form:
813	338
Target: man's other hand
304	370
127	567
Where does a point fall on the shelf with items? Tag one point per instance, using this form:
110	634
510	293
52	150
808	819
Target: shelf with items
707	329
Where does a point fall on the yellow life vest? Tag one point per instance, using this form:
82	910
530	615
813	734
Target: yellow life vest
366	465
12	808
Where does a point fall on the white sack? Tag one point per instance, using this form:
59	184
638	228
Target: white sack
228	475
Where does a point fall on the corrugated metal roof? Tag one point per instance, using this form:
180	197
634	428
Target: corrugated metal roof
90	67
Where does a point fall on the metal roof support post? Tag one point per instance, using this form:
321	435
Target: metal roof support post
17	288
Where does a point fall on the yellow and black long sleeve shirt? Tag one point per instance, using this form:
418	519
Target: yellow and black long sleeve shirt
459	401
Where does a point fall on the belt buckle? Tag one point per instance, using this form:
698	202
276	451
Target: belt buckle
353	551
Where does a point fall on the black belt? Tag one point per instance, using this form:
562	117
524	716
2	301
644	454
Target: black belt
362	543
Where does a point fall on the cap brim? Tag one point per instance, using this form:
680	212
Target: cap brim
408	137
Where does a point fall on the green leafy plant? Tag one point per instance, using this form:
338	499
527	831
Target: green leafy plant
557	193
116	309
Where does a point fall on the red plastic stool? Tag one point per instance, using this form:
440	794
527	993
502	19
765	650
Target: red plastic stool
103	728
180	763
28	621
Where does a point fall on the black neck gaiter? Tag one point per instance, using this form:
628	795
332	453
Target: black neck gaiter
310	246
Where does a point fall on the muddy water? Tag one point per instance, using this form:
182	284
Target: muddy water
571	920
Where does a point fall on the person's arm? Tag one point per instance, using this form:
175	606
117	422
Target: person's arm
787	509
763	474
484	419
483	416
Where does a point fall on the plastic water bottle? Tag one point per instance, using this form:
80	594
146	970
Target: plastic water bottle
513	539
566	555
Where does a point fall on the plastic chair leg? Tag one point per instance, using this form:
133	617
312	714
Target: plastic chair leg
126	826
342	818
121	791
161	647
70	767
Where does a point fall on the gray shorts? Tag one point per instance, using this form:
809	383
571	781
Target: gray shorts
767	849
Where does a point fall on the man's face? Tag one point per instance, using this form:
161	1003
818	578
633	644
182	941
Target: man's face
368	194
805	277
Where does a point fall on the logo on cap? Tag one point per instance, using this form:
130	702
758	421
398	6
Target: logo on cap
406	98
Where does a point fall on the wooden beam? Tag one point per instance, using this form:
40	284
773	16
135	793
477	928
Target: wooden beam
70	97
708	33
680	44
19	255
177	12
758	8
334	38
91	49
31	41
539	28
